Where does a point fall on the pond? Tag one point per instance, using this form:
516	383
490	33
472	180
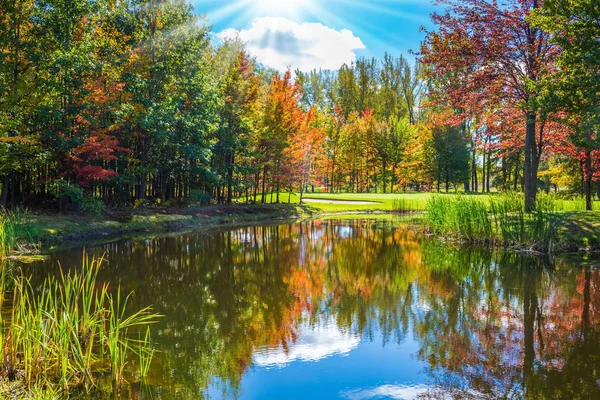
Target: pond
355	309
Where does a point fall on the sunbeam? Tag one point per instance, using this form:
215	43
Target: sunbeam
280	33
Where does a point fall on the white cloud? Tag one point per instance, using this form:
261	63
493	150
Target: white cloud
314	344
396	392
281	43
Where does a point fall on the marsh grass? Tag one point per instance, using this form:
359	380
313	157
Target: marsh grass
70	333
499	220
146	354
407	206
13	232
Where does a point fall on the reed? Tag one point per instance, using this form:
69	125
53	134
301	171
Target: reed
12	232
70	333
146	354
459	216
501	220
408	206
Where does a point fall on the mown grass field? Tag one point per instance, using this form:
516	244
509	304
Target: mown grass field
390	202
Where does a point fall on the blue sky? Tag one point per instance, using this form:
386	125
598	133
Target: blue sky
309	34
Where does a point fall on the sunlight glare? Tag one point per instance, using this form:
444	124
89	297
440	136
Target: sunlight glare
287	8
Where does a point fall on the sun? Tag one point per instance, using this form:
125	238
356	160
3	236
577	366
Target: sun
283	8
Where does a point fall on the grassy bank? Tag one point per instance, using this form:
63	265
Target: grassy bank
574	229
501	221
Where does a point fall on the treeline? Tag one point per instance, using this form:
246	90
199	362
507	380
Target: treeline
523	78
107	103
113	103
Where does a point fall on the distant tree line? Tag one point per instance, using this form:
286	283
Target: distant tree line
107	103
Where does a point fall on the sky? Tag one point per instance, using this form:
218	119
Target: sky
319	34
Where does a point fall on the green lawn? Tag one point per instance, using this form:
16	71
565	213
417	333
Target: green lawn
415	201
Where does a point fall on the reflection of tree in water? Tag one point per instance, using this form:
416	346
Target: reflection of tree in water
488	325
513	336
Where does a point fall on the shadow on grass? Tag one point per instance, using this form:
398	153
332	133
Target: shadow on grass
579	228
281	210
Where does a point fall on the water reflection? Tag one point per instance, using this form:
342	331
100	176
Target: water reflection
357	309
313	344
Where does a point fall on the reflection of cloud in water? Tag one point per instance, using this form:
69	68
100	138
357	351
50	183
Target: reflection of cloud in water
345	232
313	344
397	392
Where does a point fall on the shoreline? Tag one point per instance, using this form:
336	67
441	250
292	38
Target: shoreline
86	232
53	232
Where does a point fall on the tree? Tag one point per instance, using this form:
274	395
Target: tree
239	89
19	93
497	57
281	119
451	154
306	147
574	26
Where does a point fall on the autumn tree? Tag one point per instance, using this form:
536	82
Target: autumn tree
239	89
574	26
281	119
497	56
305	149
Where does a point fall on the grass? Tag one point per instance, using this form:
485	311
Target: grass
71	333
15	233
499	220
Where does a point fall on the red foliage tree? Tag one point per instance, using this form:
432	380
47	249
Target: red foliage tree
490	57
90	161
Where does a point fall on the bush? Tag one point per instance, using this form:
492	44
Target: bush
199	197
92	205
79	199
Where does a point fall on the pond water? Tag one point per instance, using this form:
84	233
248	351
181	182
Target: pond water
356	309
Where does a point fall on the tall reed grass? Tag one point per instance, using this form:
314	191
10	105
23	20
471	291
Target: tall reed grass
72	332
12	231
407	206
499	220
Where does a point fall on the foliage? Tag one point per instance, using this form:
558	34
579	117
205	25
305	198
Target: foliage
488	61
14	232
78	198
125	101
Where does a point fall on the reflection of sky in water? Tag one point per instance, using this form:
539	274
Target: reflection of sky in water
453	309
344	232
312	345
326	363
403	392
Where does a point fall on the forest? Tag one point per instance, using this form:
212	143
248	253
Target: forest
125	103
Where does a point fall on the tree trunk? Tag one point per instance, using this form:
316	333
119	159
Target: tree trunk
5	183
230	177
588	173
483	173
384	166
263	198
447	181
475	183
530	177
516	183
278	180
489	167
